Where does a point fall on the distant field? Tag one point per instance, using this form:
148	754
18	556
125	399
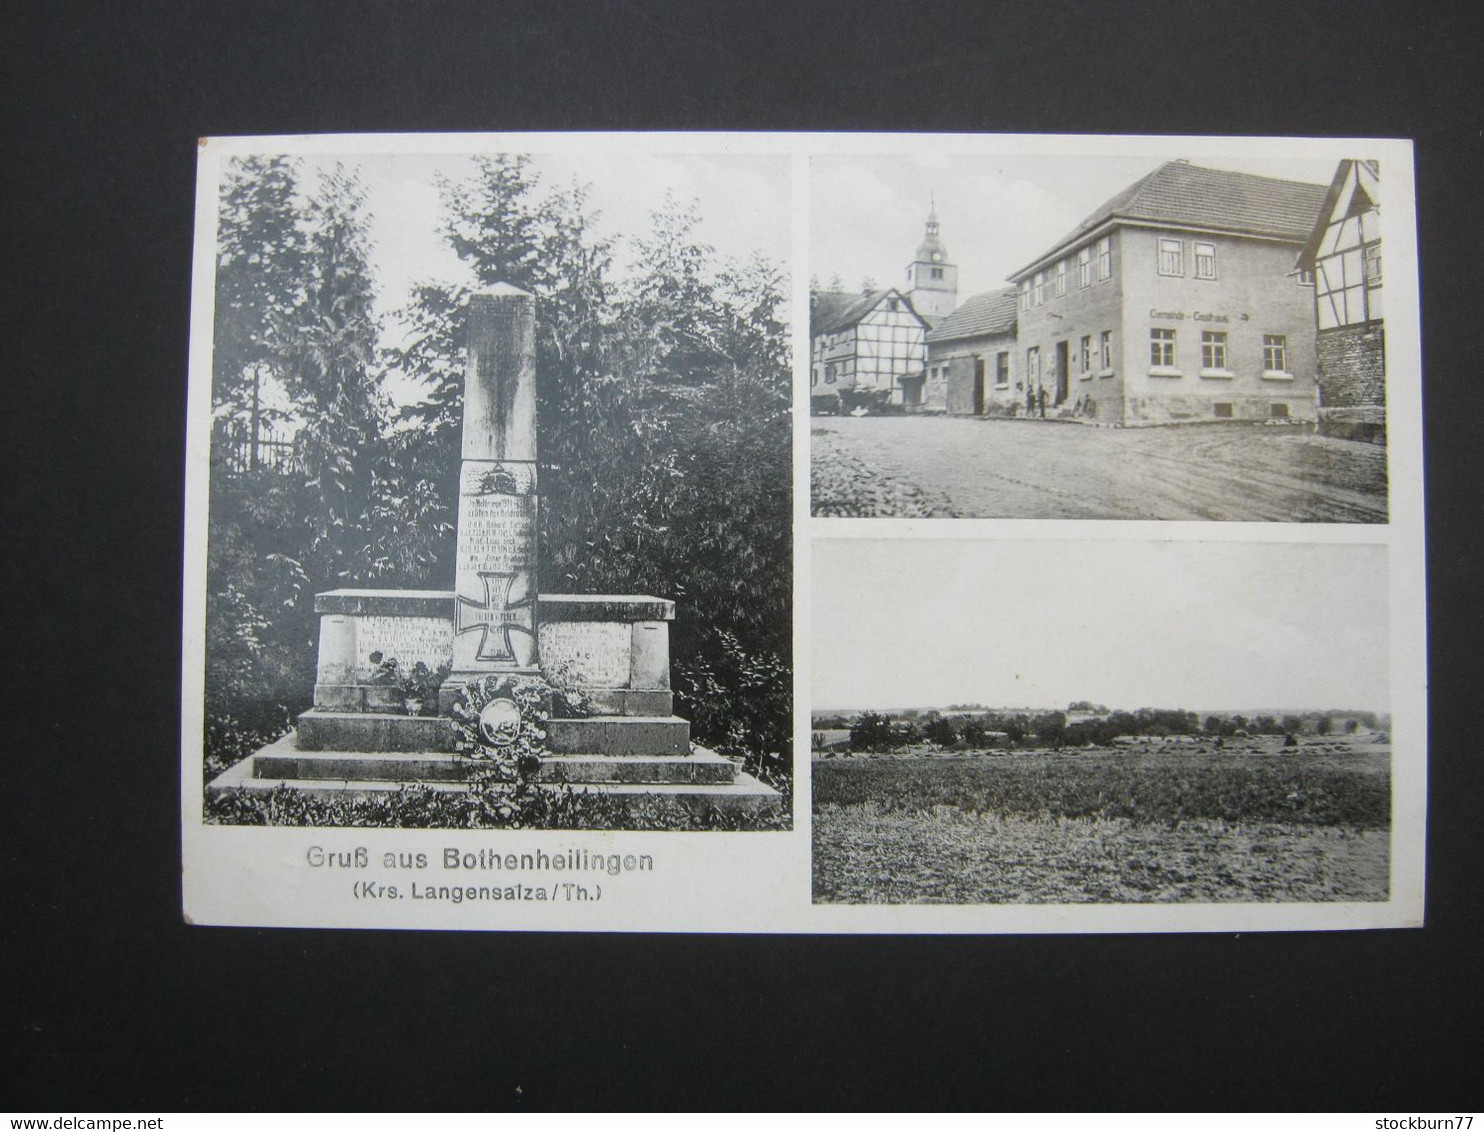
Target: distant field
1185	824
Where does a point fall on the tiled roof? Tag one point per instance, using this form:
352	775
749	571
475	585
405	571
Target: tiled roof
835	310
827	306
1185	195
992	312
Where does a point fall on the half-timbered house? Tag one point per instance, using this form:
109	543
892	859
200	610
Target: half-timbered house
867	347
1343	261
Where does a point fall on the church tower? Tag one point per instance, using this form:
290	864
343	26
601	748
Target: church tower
932	282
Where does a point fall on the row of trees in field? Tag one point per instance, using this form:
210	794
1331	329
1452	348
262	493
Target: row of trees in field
878	731
664	415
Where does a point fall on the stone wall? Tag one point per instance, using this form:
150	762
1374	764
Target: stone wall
1352	382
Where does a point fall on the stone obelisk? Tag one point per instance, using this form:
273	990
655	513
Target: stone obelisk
495	572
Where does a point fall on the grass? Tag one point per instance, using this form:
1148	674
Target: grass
1189	824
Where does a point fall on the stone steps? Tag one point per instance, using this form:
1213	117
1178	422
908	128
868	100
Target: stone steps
701	780
284	759
619	735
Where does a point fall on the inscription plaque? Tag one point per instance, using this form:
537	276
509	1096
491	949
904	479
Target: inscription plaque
408	639
494	616
589	653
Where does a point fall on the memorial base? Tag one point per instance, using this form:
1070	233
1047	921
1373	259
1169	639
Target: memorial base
700	779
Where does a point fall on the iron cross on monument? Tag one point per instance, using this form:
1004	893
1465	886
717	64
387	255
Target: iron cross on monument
495	572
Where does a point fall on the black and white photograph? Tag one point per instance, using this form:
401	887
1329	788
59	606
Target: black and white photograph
1102	722
498	512
1094	335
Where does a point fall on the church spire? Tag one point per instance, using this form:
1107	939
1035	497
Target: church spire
932	280
931	250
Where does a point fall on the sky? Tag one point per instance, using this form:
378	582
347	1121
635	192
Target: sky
997	212
743	201
899	623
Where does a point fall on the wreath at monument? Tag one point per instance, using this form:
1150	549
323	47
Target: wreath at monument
501	720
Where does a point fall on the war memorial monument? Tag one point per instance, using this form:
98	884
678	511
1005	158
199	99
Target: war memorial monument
561	690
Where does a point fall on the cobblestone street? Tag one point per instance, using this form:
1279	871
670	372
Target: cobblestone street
969	468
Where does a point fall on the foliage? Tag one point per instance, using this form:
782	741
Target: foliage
874	731
425	807
741	702
940	730
294	309
418	685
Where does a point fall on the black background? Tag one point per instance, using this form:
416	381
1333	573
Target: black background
115	1004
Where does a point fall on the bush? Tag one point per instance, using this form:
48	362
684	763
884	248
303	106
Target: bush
420	807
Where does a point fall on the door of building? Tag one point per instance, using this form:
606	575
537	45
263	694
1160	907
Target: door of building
978	387
1062	365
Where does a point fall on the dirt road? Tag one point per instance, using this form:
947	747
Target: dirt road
970	468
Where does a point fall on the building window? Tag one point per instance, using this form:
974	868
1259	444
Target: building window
1306	277
1162	348
1373	265
1033	367
1224	410
1171	257
1105	258
1061	278
1084	267
1002	370
1025	295
1086	355
1275	353
1278	411
891	304
1038	289
1205	261
1213	349
937	273
829	374
1107	351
